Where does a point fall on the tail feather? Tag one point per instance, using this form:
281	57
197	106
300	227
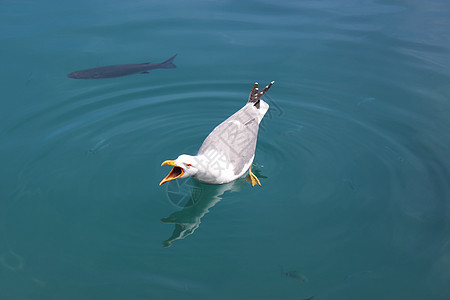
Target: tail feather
168	64
255	94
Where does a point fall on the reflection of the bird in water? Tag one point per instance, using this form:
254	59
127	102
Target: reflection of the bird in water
201	198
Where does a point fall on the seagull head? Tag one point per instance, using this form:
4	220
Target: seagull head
184	166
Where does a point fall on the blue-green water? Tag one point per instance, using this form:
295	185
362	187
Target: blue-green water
353	156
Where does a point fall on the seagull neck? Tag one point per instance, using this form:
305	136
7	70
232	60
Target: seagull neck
202	161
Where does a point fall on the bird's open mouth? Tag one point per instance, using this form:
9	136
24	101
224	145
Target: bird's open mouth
176	172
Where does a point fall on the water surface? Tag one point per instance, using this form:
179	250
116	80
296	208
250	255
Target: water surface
352	156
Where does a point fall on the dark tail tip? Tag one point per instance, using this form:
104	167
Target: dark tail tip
255	94
168	64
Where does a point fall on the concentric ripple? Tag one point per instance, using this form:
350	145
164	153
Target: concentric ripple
352	155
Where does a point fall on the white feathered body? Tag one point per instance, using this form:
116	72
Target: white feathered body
228	151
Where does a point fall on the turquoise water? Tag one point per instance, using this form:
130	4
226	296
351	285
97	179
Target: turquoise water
353	155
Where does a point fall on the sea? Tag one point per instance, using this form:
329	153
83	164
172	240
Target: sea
353	155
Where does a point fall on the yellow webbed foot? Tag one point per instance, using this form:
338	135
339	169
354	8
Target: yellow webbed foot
252	178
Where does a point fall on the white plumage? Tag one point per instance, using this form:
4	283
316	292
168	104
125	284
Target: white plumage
228	151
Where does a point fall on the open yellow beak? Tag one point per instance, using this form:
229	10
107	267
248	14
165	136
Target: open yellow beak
176	172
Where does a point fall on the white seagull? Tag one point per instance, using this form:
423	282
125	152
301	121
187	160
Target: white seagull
228	151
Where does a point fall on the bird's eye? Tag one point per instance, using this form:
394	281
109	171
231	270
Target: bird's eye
188	165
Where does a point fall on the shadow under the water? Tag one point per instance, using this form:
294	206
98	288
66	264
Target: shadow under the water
199	198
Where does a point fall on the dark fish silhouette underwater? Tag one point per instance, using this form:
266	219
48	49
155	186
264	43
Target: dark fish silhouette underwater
121	70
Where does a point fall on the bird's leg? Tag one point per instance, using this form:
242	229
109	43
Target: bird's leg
252	178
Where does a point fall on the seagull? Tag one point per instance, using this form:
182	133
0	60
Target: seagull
228	151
